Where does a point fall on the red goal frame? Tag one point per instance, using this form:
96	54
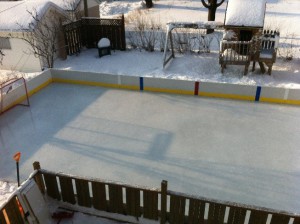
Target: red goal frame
9	85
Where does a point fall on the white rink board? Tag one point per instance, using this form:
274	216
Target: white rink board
224	149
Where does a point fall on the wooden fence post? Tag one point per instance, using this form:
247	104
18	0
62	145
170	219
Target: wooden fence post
163	212
123	38
38	177
86	10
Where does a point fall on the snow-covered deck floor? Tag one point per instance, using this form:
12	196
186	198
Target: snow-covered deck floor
230	150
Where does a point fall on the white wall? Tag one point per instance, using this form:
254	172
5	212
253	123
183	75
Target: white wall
19	57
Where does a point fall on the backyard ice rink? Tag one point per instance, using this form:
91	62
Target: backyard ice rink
229	150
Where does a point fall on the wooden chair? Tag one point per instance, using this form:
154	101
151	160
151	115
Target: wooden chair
266	55
235	53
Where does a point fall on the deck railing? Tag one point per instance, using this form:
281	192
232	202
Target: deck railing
235	53
157	204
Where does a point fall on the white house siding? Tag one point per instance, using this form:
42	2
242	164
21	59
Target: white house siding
19	57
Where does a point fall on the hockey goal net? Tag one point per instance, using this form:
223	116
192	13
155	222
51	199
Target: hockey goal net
13	92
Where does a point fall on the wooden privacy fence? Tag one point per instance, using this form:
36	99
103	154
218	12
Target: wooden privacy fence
86	32
155	204
162	205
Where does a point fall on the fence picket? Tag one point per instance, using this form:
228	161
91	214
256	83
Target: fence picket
196	212
133	202
296	220
83	193
150	204
278	219
177	209
216	213
13	212
99	196
236	215
2	219
51	185
67	191
258	217
116	199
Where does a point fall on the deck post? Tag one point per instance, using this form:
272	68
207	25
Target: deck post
164	188
38	177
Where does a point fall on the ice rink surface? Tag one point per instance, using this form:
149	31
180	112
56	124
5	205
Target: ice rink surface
230	150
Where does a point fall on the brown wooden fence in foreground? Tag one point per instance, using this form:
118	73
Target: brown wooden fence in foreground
161	204
86	32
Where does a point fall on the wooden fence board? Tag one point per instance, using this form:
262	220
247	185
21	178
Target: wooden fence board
116	199
150	199
258	217
83	193
236	215
216	213
51	185
2	219
88	31
177	209
297	221
13	212
196	211
99	196
67	191
133	202
279	219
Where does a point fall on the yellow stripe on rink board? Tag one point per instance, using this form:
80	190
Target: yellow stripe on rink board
227	96
129	87
90	83
173	91
30	93
38	88
293	102
279	101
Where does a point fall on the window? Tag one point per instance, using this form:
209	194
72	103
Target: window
4	43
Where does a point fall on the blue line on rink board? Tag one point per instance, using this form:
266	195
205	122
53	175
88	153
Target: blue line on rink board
141	83
258	91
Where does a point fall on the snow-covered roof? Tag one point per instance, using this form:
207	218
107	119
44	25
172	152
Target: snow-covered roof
249	13
15	14
66	4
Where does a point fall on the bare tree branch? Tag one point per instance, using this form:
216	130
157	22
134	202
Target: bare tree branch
212	6
220	3
42	35
1	56
205	4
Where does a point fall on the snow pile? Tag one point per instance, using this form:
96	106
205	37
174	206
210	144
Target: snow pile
5	75
116	8
66	4
18	13
6	189
245	13
229	35
103	42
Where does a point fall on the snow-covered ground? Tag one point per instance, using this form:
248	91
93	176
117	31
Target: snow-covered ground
281	14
